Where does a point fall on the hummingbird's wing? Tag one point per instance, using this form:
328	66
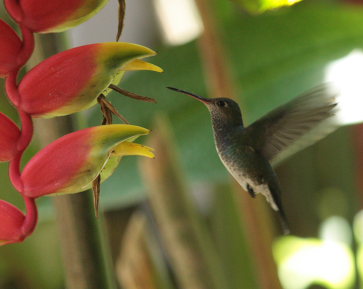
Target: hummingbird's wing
295	125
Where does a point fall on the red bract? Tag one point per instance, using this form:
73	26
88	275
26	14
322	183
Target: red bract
52	15
9	135
11	222
72	162
10	45
71	81
63	84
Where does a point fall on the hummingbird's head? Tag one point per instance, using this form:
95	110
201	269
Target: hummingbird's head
224	111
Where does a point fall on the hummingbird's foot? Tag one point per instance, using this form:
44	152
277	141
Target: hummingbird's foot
251	191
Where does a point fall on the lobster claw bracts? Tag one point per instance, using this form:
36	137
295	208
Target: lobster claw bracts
72	80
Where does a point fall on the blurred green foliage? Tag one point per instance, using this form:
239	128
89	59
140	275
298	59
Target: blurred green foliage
274	57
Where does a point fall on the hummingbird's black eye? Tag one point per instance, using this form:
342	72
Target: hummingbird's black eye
222	103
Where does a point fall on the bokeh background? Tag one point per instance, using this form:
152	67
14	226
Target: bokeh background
227	240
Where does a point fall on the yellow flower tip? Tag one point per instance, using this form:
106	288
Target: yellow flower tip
108	137
149	152
133	149
142	49
121	128
138	64
125	48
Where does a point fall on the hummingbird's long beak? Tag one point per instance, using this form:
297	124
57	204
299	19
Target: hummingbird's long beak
202	99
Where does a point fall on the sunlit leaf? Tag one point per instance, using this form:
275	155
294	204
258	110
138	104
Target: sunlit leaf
259	6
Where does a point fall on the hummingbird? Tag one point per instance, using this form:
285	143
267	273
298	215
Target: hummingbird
248	152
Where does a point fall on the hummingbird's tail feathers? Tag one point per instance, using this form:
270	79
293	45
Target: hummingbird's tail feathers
283	219
284	223
271	199
281	214
297	124
276	200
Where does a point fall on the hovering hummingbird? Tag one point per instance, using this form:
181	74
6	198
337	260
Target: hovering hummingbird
248	152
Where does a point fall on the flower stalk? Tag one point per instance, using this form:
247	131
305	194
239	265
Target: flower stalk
26	132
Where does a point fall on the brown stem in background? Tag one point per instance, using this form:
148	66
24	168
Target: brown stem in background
96	188
135	268
139	265
260	230
217	69
86	260
121	17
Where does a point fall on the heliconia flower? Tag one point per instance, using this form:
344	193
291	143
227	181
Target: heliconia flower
139	64
71	163
11	219
125	148
10	45
9	135
52	16
72	80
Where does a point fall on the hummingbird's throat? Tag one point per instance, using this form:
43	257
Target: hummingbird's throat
224	122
